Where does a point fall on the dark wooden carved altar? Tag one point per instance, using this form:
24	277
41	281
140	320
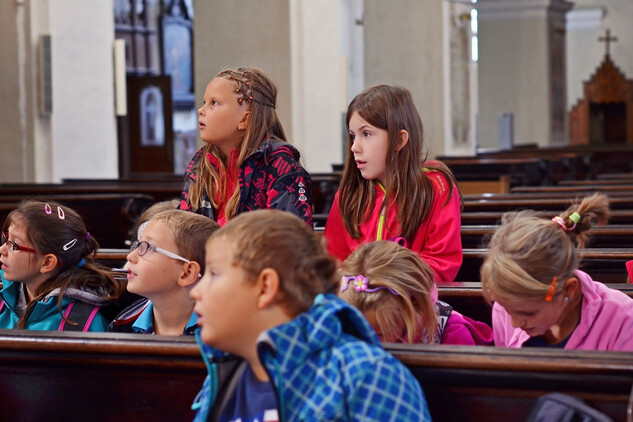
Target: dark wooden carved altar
605	114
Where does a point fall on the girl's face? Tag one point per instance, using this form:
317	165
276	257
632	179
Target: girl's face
20	265
369	146
536	317
225	300
221	118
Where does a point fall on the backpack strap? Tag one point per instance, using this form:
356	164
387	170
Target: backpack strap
81	313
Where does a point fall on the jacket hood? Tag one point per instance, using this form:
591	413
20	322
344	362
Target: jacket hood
315	330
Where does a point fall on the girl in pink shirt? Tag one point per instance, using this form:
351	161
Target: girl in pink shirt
541	298
388	190
393	288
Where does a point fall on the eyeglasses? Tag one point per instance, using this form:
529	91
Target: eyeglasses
14	246
144	247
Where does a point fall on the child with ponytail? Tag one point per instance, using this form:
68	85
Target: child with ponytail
49	275
540	296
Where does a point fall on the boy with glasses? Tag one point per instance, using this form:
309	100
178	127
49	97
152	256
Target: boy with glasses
163	266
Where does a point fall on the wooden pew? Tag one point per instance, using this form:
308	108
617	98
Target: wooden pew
624	216
606	265
610	236
522	171
127	377
109	217
159	189
92	376
476	383
556	204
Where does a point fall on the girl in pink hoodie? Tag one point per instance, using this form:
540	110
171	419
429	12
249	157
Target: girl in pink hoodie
541	298
394	289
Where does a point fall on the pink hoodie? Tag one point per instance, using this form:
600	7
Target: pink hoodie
606	320
438	240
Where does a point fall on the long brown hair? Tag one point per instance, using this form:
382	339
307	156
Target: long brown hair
527	252
258	90
392	109
49	233
388	264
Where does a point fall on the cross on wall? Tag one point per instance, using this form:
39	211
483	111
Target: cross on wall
607	40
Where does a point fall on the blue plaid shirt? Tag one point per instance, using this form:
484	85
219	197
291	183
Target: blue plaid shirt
328	365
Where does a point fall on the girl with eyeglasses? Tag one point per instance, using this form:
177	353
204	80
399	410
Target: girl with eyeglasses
49	275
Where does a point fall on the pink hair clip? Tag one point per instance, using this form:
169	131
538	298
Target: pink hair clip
562	224
361	284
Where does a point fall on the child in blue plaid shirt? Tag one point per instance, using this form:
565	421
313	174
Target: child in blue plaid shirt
279	344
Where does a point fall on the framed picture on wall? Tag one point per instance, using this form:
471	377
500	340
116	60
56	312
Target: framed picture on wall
177	49
149	148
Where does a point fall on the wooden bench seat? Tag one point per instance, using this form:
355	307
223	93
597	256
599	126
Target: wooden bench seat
606	265
494	217
128	377
609	236
476	383
109	217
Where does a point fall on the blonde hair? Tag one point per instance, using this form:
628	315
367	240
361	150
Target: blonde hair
257	89
280	240
395	267
190	232
527	252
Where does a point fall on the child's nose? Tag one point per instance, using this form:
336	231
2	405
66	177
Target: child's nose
355	147
132	256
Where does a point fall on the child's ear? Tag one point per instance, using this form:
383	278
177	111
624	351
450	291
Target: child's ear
243	124
570	287
49	263
189	274
403	138
268	285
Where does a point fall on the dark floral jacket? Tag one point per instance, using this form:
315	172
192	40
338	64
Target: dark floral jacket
271	177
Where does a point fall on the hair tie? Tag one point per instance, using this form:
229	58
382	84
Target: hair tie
81	263
551	292
87	236
399	240
361	284
575	217
558	220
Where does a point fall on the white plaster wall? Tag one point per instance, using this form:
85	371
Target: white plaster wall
403	46
83	126
585	52
513	73
318	82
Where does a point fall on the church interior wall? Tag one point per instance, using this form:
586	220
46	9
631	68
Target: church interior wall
585	52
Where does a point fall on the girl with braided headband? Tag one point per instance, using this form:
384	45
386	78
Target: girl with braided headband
247	163
540	296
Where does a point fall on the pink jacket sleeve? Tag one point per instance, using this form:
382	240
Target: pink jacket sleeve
439	241
462	330
335	233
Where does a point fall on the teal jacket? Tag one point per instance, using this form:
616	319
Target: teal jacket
325	365
45	314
